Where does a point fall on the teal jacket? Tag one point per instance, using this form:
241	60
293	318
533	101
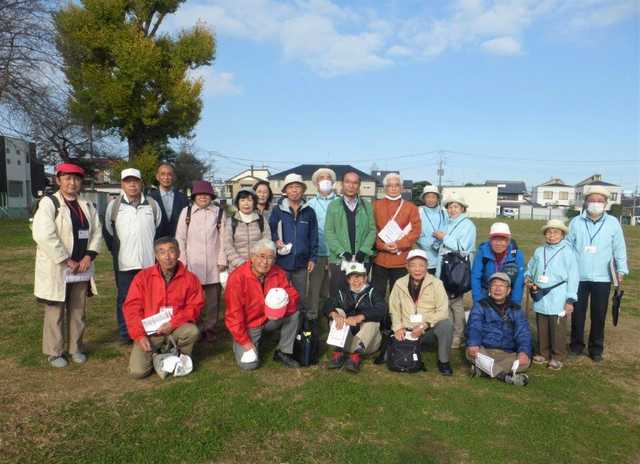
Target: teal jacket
606	236
561	266
320	205
461	236
432	219
336	233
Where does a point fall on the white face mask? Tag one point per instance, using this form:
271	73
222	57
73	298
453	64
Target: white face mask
325	186
595	208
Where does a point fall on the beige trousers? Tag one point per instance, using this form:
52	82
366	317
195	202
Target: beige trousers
456	314
502	361
141	362
72	311
368	334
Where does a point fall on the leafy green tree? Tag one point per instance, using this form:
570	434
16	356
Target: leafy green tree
127	76
188	167
416	191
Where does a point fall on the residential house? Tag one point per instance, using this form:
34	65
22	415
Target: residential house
554	192
246	178
582	188
631	210
18	166
367	186
379	176
482	199
509	191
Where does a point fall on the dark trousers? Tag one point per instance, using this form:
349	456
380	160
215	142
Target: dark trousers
123	282
597	295
552	336
381	276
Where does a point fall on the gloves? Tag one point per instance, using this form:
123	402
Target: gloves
360	257
347	256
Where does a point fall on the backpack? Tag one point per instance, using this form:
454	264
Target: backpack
54	200
218	220
306	346
234	224
456	273
404	356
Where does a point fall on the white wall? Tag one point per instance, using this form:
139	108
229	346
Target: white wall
555	191
482	200
18	170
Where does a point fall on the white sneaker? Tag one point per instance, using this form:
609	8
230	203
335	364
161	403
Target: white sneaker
57	361
79	358
456	343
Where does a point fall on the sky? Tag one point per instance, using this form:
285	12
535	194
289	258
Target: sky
505	89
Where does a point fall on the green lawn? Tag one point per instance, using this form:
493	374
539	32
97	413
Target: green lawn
96	414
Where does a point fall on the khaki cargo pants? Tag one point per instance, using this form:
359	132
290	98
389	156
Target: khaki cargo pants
72	311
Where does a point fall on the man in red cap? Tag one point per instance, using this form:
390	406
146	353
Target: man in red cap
66	230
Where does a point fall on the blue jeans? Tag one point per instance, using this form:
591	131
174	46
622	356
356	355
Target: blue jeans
123	282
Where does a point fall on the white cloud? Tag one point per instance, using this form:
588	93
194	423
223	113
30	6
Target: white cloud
502	46
332	39
217	84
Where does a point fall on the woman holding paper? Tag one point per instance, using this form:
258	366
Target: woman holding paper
458	235
66	230
552	278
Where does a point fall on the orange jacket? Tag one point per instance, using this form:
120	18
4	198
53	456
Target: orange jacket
383	211
244	299
148	292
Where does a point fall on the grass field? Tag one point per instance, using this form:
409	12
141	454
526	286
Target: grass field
96	414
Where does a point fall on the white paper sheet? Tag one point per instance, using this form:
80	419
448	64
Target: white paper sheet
338	337
485	363
391	232
151	324
71	278
249	356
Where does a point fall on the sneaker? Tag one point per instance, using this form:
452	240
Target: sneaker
456	343
596	358
539	359
555	365
57	361
576	354
353	362
445	369
337	360
285	359
79	358
519	380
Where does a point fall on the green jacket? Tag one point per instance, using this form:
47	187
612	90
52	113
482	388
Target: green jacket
337	234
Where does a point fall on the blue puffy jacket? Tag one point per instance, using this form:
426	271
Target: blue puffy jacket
488	329
301	231
484	264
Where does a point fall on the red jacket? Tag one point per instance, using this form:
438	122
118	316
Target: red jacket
244	299
148	292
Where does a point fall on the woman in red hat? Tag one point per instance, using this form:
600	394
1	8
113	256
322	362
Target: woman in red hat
199	234
66	230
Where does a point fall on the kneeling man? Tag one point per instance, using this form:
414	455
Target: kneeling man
360	307
498	335
419	305
258	298
167	284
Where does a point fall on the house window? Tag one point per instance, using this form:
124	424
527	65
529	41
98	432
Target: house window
19	162
8	160
614	196
547	195
15	189
564	196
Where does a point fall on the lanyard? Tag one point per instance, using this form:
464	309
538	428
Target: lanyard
426	213
591	237
500	264
546	263
77	211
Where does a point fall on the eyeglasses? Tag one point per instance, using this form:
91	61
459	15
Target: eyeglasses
268	258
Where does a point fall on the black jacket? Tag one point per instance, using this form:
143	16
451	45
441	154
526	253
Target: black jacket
368	302
167	227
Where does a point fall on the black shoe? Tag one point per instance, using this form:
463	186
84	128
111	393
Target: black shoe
596	358
353	363
381	358
125	341
337	360
576	354
445	368
285	359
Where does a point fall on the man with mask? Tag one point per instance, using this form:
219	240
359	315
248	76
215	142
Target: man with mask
433	218
324	180
598	241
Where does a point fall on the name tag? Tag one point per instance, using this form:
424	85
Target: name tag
543	279
83	234
415	318
591	249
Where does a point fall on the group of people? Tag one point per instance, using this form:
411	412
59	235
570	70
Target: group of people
279	264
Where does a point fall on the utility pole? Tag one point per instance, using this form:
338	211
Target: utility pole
440	172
